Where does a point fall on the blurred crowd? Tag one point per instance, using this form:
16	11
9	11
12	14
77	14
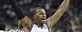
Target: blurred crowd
71	21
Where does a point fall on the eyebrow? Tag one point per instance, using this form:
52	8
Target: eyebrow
43	12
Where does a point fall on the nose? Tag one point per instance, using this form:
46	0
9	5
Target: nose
44	15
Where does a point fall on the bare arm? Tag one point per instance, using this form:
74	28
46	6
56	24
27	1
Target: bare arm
25	21
56	16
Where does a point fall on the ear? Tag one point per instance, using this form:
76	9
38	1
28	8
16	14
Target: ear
34	17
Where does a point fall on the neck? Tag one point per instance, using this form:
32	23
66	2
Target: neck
37	23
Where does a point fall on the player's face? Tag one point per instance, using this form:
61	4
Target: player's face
40	15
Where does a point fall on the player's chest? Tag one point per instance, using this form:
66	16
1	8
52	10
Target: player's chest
35	28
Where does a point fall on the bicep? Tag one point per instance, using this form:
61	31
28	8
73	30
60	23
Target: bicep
26	21
53	20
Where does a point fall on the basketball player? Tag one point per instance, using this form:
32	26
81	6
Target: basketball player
39	22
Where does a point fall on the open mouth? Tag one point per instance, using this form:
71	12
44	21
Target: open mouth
43	19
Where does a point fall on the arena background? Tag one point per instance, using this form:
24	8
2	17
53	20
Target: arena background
71	21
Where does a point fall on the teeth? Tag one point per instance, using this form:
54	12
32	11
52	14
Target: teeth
43	19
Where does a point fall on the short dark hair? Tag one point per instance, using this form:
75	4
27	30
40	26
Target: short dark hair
34	11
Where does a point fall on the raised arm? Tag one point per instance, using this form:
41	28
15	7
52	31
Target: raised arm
56	16
26	21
